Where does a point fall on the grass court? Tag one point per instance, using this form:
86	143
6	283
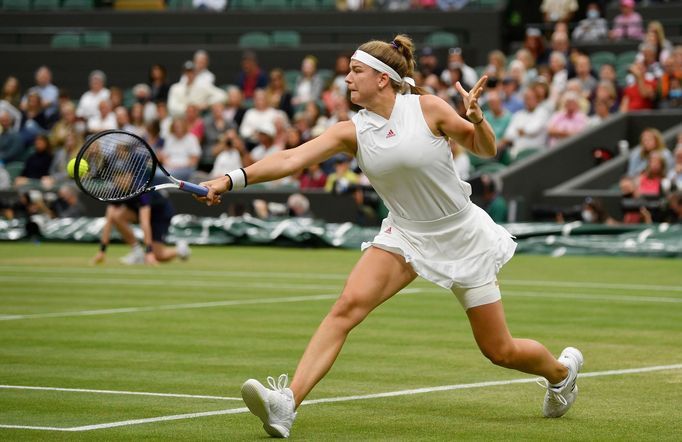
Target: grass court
136	353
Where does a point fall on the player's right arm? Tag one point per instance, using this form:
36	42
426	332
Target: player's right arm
340	138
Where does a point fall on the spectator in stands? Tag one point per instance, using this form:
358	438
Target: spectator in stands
669	85
640	90
312	177
428	63
567	121
11	91
541	88
341	180
210	5
143	97
456	60
633	211
602	110
266	142
574	85
105	119
605	92
341	69
202	74
11	144
181	151
62	155
138	125
68	204
560	42
278	94
184	93
230	154
234	109
675	172
293	138
88	105
340	111
534	42
165	120
48	92
497	64
558	67
655	35
123	120
647	56
195	124
594	212
158	83
153	136
37	164
493	202
593	27
558	10
261	114
309	85
451	5
528	127
14	113
497	116
525	57
627	24
650	140
650	181
5	183
251	76
116	97
33	119
67	124
512	96
215	128
583	72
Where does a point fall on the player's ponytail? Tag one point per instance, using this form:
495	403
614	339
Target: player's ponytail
398	54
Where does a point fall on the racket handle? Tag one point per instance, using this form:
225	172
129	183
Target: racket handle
193	188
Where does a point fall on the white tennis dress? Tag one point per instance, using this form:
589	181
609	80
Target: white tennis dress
432	222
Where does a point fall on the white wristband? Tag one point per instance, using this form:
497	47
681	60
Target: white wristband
237	179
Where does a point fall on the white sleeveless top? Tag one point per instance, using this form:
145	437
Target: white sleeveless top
409	167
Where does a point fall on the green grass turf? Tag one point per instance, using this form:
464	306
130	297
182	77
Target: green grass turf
622	313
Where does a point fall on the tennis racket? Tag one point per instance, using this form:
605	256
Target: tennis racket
115	165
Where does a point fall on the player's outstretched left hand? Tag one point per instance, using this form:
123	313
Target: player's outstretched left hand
474	112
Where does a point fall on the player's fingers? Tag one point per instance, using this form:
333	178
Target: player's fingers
461	90
480	83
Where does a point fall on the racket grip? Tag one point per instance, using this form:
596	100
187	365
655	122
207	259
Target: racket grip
193	188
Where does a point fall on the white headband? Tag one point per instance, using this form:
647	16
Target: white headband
380	66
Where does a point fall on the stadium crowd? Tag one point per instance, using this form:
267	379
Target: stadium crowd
543	93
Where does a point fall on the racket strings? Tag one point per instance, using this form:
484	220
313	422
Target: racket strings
119	166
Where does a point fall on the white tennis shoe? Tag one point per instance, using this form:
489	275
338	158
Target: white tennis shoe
274	406
183	249
559	398
136	256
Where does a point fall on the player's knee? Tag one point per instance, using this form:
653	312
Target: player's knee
499	354
347	311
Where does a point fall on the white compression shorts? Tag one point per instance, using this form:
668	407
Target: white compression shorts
476	296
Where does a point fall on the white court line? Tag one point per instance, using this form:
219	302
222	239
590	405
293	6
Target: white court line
346	399
162	282
133	393
333	276
545	295
185	306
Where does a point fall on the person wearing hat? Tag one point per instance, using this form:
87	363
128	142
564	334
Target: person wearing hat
266	141
628	24
428	62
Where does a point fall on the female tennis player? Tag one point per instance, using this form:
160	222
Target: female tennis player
433	230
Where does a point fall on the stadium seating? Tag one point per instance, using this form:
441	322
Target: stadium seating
441	39
286	38
78	5
99	39
180	4
44	5
14	169
274	4
255	40
66	40
529	152
15	5
602	57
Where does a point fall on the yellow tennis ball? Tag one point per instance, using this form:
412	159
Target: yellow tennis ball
82	167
